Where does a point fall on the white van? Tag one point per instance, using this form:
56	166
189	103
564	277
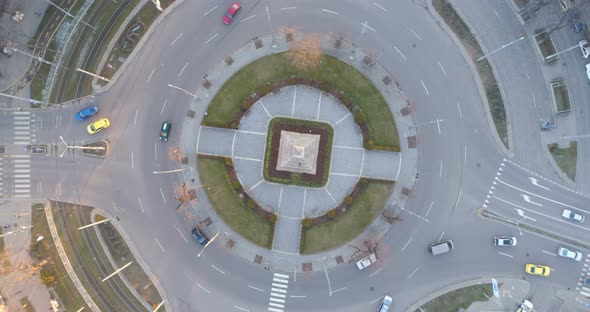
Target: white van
441	248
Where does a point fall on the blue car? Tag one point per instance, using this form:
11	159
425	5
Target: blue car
86	113
200	236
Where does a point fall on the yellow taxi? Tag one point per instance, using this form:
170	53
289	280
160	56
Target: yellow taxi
98	125
536	269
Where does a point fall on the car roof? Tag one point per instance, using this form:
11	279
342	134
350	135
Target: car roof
233	8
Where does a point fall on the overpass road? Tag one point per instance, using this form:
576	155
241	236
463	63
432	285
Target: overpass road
458	165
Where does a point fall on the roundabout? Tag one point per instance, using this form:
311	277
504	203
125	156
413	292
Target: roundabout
432	180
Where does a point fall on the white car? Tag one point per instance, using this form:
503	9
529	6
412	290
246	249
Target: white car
367	261
585	48
525	306
567	253
385	304
588	71
570	215
505	241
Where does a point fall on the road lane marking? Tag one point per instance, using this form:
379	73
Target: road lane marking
549	253
460	113
211	10
379	270
425	89
536	183
140	205
216	268
332	12
173	42
287	8
417	216
297	296
414	272
209	40
247	18
150	77
442	68
162	193
268	14
243	309
407	244
365	26
157	241
183	237
379	6
441	236
183	68
441	166
400	53
203	288
465	155
155	151
255	288
132	164
507	255
458	198
415	34
428	212
528	200
163	106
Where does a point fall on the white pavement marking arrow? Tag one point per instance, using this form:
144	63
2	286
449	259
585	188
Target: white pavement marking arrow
536	182
528	199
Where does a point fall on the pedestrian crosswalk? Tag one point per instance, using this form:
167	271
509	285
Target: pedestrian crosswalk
15	176
278	292
584	290
23	134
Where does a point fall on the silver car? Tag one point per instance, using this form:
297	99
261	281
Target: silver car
585	48
505	241
570	215
385	304
568	253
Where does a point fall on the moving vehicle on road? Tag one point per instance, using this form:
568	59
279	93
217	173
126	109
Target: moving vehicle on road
585	48
98	125
441	248
385	304
588	72
165	131
366	261
505	241
568	253
537	269
570	215
525	306
86	113
200	236
231	12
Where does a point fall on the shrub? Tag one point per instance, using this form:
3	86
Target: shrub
306	222
331	213
363	182
233	124
236	185
359	118
229	161
264	90
251	203
272	217
246	104
348	200
46	277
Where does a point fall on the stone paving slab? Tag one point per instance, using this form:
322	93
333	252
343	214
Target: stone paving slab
331	110
249	172
267	194
347	133
340	186
287	239
215	141
306	104
256	120
346	161
280	103
316	202
249	145
292	201
381	165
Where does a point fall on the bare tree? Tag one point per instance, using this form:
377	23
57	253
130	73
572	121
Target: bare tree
370	246
306	53
289	32
175	154
185	197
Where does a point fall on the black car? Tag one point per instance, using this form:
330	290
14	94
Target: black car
200	236
165	131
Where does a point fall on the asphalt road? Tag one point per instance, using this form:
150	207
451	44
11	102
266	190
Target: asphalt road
457	165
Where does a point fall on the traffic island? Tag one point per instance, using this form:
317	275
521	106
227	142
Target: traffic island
566	158
98	149
459	299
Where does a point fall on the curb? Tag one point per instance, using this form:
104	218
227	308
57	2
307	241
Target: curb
100	89
475	75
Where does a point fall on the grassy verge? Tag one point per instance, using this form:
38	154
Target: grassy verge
45	250
26	305
332	71
562	100
326	133
486	75
122	255
459	299
38	82
229	207
85	262
125	45
566	158
350	223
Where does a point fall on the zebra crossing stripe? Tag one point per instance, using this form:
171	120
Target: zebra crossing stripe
22	143
22	117
278	292
21	156
22	113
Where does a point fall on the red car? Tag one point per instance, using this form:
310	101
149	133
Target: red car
231	12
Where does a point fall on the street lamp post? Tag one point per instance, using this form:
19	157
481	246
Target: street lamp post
208	243
183	90
522	36
77	147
